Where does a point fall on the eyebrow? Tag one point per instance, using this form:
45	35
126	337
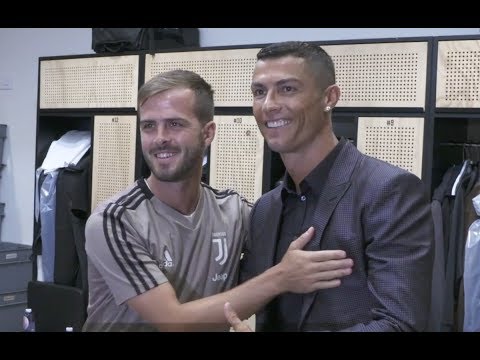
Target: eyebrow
166	119
280	82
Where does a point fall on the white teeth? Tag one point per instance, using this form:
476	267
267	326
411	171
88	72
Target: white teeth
164	155
277	123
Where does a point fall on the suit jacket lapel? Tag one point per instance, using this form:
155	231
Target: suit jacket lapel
329	199
269	224
339	181
271	228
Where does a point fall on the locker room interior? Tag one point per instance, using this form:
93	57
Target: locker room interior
417	108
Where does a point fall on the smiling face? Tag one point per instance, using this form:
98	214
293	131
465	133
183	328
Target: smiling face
173	139
288	103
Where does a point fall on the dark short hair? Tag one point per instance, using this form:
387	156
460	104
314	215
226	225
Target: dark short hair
204	105
316	58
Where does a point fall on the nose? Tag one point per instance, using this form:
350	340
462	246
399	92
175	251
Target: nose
162	136
271	102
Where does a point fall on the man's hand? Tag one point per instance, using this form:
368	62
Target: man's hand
306	271
232	317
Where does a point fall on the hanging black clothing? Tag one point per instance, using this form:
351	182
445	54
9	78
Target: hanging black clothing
72	210
442	201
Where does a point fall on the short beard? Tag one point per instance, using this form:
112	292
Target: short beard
192	157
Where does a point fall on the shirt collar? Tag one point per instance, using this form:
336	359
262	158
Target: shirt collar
317	177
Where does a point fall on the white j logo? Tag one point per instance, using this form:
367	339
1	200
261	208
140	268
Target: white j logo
222	250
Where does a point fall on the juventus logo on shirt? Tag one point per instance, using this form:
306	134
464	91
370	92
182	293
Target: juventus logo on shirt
220	251
222	256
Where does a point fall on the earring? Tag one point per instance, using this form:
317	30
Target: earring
327	108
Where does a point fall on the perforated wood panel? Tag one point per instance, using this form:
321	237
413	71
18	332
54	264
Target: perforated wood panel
381	75
236	156
96	82
228	71
398	141
113	167
458	74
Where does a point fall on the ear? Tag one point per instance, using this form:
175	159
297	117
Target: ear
332	94
209	132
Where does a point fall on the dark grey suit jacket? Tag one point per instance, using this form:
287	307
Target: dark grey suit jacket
380	215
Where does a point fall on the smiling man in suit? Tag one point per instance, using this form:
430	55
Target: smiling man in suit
377	213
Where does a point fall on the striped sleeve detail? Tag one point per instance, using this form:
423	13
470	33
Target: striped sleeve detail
225	193
122	250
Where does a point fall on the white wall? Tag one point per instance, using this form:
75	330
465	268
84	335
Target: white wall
20	50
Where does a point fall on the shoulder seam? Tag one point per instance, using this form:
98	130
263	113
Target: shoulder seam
226	193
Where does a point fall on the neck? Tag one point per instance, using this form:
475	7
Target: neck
300	163
182	195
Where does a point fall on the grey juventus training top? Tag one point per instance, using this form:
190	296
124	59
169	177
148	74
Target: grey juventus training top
135	242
